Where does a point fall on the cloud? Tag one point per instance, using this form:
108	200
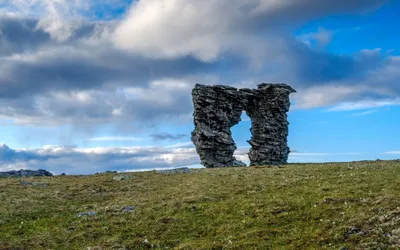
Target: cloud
320	38
52	15
325	95
367	112
373	86
80	68
365	104
19	35
72	160
393	153
136	69
167	136
162	100
206	29
61	19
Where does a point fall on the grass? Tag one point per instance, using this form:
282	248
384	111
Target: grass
297	206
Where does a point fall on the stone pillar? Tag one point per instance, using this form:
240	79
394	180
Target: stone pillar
216	110
267	107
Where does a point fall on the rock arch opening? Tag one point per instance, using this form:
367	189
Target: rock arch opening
241	134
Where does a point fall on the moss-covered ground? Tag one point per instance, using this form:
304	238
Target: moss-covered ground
296	206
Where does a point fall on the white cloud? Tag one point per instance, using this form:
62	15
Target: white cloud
176	28
321	37
393	153
365	104
325	95
371	52
368	112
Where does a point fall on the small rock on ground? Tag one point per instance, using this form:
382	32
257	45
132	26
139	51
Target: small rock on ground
86	214
174	171
129	208
123	177
353	231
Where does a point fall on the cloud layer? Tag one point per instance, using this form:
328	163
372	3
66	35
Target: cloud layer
206	29
141	66
73	160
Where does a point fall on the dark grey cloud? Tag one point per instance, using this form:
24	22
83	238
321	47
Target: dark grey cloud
8	155
161	102
167	136
294	13
66	68
31	62
20	35
315	67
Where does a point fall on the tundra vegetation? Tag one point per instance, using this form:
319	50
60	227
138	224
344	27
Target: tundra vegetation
296	206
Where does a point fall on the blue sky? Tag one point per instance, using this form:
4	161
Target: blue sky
89	86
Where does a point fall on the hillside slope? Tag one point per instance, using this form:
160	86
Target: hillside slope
297	206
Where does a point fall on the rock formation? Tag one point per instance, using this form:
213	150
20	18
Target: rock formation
267	107
218	108
25	173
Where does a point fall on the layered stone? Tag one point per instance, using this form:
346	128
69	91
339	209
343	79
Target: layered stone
267	108
218	108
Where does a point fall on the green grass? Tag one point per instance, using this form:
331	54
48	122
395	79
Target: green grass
298	206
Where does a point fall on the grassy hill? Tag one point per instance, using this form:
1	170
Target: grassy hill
297	206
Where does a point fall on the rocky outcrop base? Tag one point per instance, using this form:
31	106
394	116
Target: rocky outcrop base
25	173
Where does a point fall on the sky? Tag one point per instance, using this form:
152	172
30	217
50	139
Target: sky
93	85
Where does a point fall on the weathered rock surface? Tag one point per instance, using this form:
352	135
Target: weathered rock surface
174	171
267	107
25	173
218	108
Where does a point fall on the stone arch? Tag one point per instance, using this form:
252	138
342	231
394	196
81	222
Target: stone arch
218	108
